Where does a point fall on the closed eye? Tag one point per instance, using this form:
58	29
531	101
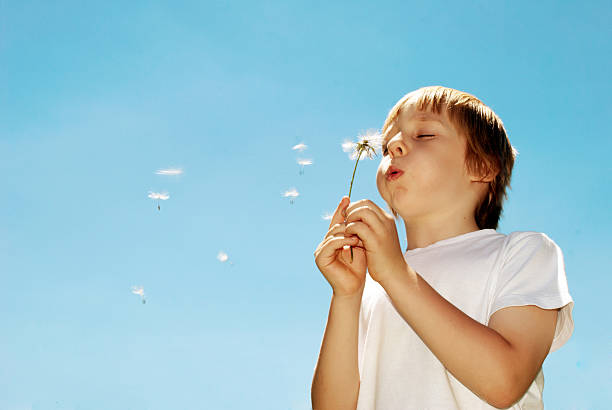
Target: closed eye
385	151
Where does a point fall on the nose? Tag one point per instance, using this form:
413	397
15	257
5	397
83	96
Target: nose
397	147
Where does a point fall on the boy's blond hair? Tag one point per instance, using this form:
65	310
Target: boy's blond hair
488	150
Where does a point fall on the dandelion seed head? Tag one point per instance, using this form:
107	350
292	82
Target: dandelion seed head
291	193
370	142
372	137
300	147
158	195
222	256
367	143
169	171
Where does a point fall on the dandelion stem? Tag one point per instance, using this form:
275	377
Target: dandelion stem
351	188
353	177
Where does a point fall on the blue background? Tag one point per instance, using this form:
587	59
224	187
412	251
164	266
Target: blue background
97	96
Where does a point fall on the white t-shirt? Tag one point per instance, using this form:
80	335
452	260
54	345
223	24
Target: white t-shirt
479	272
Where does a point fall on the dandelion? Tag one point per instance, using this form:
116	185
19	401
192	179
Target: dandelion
157	195
367	143
302	163
169	171
300	147
138	290
291	194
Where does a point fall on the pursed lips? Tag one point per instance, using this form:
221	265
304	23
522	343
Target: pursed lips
393	173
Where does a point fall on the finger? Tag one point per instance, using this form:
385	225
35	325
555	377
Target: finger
338	217
339	235
366	215
358	245
361	230
327	250
371	205
323	243
357	257
335	230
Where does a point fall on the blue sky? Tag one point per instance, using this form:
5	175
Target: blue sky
95	97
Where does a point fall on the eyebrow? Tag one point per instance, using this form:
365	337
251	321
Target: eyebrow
424	116
428	117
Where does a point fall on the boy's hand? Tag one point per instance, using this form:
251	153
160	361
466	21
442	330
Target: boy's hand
376	229
345	277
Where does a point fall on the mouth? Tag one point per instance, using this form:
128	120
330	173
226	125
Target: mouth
393	173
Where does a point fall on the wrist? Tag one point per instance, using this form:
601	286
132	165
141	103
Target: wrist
400	272
347	303
348	297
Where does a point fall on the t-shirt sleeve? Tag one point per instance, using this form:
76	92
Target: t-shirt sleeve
533	273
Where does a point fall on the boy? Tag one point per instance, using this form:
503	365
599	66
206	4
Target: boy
465	316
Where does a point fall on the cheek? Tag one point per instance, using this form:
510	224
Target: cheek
380	178
435	173
444	176
439	168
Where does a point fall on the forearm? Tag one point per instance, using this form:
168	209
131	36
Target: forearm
336	380
479	357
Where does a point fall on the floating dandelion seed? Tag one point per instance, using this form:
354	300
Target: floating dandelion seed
157	195
368	143
300	147
222	256
169	171
292	194
302	163
327	216
138	290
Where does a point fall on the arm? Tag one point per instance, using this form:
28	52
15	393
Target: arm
497	363
336	380
335	384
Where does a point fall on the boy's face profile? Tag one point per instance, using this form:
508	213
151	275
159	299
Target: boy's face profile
422	173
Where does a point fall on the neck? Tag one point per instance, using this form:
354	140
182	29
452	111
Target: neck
424	231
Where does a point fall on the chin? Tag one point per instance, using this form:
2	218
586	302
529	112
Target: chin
406	207
399	196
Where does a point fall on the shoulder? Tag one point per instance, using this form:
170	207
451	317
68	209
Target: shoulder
532	272
531	237
526	241
532	265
